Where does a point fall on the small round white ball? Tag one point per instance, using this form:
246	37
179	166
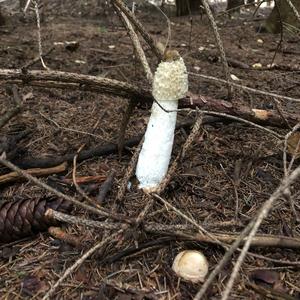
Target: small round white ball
170	81
191	265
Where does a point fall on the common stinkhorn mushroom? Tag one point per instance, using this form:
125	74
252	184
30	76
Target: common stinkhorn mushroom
170	83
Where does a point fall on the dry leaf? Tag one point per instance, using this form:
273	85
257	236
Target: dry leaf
293	142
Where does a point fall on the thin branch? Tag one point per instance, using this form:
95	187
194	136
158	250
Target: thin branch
294	9
181	154
136	45
267	206
255	91
27	5
202	230
120	4
213	113
105	187
14	176
58	79
125	120
129	171
78	188
222	263
287	170
73	81
186	232
41	184
272	132
66	80
79	262
38	24
281	32
220	45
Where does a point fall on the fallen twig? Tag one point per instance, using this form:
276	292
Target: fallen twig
129	171
181	154
38	172
79	262
184	232
255	91
105	187
66	80
220	45
253	226
120	4
61	235
136	43
83	155
294	9
41	184
36	59
125	119
85	179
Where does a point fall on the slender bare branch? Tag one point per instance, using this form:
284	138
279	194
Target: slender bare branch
136	45
146	36
264	211
220	45
79	262
41	184
294	9
184	231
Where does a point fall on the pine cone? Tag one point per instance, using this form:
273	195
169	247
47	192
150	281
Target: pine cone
26	217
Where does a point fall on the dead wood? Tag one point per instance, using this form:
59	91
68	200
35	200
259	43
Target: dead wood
236	108
64	80
47	162
83	155
260	240
140	28
74	81
61	235
38	172
157	243
179	231
85	179
105	187
99	211
37	59
125	120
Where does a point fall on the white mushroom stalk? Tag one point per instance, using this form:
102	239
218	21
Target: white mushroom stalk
170	83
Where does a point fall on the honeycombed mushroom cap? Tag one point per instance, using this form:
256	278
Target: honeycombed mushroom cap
170	81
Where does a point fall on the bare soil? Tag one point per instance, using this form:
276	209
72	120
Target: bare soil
203	186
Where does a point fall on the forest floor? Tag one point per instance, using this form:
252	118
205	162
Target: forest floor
205	185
